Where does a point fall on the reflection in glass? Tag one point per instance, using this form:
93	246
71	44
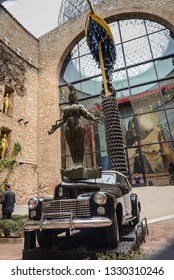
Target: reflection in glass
135	165
125	107
152	128
164	68
170	116
167	89
158	157
129	132
147	98
123	96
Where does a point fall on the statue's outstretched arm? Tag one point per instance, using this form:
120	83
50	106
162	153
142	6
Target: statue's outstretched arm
87	115
57	124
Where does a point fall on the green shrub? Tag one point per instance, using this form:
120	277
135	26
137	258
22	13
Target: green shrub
13	226
131	255
9	227
1	227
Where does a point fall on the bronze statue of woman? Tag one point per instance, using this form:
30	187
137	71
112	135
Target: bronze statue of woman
74	128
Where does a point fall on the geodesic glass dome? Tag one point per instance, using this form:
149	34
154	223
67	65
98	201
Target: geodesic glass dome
72	8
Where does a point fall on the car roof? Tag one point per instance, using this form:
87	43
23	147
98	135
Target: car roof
108	177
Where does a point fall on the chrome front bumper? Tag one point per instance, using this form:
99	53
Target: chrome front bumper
76	223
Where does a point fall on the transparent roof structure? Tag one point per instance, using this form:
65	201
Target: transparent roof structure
72	8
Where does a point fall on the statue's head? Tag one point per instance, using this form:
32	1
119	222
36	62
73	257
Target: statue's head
72	96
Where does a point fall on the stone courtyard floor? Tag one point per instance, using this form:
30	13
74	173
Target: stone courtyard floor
161	236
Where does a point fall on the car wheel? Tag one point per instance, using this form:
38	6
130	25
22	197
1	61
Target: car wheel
112	233
44	238
137	217
30	240
136	212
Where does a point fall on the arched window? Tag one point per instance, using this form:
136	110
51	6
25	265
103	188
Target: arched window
144	80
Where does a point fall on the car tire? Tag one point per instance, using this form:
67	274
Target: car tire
112	233
135	211
137	217
29	240
44	238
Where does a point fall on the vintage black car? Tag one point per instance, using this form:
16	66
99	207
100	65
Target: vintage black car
105	203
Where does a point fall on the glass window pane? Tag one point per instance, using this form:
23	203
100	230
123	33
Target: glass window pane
125	107
90	87
72	71
153	26
115	32
135	165
159	43
137	51
167	89
119	59
153	128
164	67
157	157
141	74
147	98
132	28
120	79
170	116
129	132
170	45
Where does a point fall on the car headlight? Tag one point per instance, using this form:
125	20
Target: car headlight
101	210
33	202
33	214
99	198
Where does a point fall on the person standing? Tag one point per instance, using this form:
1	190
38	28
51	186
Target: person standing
8	202
137	178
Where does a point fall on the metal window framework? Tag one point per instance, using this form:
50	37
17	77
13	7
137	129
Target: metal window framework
129	87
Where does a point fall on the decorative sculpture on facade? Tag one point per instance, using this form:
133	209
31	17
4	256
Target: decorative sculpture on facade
6	103
4	146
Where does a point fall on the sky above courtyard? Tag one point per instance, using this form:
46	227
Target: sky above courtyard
37	16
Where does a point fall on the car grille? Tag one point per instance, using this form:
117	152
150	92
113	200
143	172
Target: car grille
65	208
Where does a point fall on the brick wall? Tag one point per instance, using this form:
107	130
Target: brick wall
24	104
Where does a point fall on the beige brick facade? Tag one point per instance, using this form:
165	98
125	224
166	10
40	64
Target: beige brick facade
40	161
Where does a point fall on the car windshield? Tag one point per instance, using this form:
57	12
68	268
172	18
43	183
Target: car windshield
105	179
